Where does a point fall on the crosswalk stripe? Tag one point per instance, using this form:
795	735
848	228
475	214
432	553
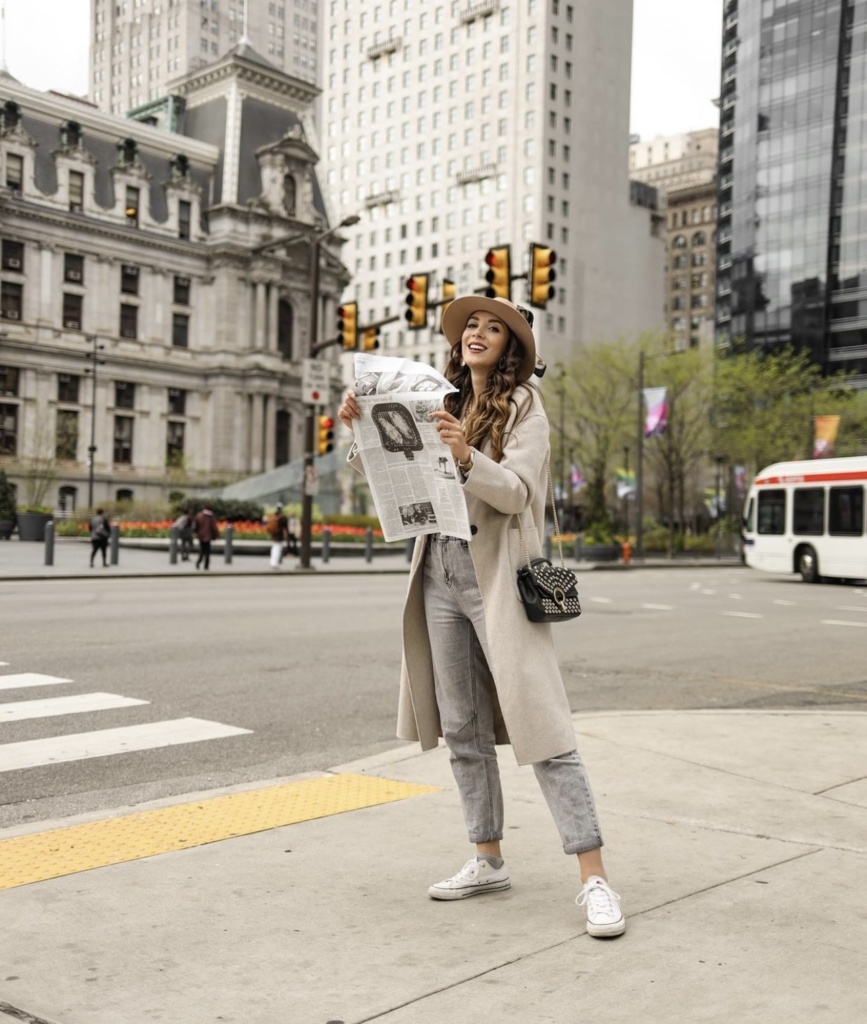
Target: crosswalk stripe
743	615
22	679
20	710
79	746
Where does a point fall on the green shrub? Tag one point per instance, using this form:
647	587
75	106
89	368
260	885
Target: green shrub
230	510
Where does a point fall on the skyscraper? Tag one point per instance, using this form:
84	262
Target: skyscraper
458	126
137	46
792	252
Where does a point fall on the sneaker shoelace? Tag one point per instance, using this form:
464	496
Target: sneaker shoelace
601	900
469	872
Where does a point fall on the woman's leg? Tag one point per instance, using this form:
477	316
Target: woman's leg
564	784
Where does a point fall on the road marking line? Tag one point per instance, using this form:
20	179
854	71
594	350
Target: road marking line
709	592
97	844
104	742
20	710
659	607
602	600
736	597
22	679
788	604
842	622
744	615
851	608
790	689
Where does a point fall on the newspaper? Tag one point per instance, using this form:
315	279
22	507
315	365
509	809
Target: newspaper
410	471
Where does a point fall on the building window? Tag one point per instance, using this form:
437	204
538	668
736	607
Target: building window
128	321
73	268
72	311
67	388
123	440
180	330
8	380
132	205
8	429
124	496
11	300
13	256
285	328
281	446
181	295
174	444
76	191
67	498
66	446
14	171
124	395
185	216
290	194
129	279
177	402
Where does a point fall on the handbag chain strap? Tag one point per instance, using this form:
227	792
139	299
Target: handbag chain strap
556	521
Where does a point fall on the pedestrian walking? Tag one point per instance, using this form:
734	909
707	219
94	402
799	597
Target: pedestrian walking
184	524
100	531
475	669
278	528
207	531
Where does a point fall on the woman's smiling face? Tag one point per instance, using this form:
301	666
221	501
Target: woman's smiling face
484	341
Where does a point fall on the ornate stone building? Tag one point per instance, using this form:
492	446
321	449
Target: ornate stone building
140	244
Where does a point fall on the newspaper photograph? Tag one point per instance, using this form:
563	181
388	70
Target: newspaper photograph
410	471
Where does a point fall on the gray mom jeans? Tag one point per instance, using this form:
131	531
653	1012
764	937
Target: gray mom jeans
464	690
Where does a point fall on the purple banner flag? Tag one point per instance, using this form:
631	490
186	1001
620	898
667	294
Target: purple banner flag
656	418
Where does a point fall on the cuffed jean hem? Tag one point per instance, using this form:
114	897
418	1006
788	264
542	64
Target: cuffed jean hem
570	849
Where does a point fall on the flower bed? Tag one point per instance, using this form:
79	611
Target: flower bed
244	530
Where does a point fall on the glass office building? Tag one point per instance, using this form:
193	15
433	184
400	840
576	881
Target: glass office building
792	231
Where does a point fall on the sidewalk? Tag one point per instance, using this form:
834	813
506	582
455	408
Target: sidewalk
139	557
737	840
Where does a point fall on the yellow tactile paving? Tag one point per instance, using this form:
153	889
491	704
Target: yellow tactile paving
97	844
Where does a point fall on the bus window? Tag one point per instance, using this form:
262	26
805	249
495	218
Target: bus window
846	511
772	512
750	517
809	512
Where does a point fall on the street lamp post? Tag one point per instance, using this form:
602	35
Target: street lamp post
719	462
639	464
309	414
626	489
91	451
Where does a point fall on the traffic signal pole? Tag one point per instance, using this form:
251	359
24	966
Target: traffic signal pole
309	419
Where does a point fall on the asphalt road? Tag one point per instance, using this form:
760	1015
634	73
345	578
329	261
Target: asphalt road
309	667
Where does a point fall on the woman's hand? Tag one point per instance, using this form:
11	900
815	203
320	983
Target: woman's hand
349	411
451	433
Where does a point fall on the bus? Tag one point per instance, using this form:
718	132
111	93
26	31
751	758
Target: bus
808	518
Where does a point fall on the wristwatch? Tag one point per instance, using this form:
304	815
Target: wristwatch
465	467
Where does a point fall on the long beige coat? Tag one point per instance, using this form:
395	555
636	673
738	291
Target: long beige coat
534	713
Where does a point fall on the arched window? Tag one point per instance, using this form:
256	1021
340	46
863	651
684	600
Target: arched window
290	194
123	495
285	327
679	242
699	238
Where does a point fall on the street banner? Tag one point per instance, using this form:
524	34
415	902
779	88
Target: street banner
578	480
715	504
826	435
625	483
656	418
740	479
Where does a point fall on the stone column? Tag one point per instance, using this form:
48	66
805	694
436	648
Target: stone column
259	343
273	298
257	420
270	431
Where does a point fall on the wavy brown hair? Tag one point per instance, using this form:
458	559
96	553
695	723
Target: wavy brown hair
486	419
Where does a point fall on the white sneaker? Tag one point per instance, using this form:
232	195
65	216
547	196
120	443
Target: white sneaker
602	906
476	876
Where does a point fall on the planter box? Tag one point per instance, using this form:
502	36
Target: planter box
31	525
598	553
7	526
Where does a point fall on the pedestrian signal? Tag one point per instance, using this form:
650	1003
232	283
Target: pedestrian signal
369	339
324	435
347	326
448	293
542	273
499	275
416	301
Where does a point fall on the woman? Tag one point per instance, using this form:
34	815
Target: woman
100	531
475	669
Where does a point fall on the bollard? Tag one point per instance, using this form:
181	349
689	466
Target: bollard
173	546
326	543
548	546
49	543
578	548
410	547
368	544
229	538
114	543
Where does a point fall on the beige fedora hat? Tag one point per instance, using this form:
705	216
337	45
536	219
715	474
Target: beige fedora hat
461	309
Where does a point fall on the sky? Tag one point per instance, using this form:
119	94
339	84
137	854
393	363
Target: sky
675	64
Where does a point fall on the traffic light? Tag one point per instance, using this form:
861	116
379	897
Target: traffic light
542	273
347	326
324	435
416	301
449	289
499	275
369	339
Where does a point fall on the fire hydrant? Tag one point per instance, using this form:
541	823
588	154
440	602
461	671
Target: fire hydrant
626	551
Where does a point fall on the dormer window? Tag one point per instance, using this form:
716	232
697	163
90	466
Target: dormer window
290	194
180	165
11	115
14	171
76	191
71	134
127	152
132	205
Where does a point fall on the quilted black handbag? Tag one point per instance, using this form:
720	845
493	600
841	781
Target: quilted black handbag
549	592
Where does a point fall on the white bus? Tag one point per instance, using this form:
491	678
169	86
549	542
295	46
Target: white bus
808	518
